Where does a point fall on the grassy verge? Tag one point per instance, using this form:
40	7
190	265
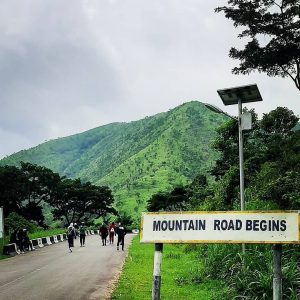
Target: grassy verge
180	274
44	233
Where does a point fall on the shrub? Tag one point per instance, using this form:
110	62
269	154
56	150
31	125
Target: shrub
14	221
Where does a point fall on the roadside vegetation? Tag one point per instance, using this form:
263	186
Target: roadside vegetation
181	274
272	168
30	191
44	233
216	272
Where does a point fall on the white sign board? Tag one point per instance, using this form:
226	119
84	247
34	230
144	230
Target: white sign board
221	227
1	223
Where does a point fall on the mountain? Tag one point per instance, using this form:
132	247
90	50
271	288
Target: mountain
135	159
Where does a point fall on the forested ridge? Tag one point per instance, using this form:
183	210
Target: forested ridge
135	159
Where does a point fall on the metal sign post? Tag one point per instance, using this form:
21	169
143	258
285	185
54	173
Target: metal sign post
241	162
156	271
277	273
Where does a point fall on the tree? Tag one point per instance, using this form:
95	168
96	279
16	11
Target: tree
40	184
13	189
227	143
126	220
280	22
176	200
157	202
75	201
272	159
198	191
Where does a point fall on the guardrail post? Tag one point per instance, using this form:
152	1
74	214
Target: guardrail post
277	273
156	271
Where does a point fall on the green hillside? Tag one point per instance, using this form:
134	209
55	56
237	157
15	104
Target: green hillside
135	159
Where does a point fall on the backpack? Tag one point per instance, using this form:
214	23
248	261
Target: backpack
70	232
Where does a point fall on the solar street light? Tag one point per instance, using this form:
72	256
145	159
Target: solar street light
239	95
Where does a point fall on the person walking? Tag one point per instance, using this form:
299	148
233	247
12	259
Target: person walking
112	232
82	230
71	234
103	233
121	234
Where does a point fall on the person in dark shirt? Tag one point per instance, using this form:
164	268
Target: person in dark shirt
20	240
82	230
14	238
103	233
26	241
71	234
121	232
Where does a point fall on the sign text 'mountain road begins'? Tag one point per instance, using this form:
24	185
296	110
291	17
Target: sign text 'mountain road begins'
221	227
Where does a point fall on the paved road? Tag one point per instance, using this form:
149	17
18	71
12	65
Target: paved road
54	273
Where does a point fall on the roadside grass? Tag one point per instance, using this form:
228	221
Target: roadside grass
181	278
43	233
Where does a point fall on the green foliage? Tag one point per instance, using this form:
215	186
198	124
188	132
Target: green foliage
14	221
24	189
13	187
173	201
43	233
68	198
272	161
76	201
127	221
276	55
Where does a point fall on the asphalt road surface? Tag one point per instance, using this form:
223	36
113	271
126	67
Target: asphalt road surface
54	273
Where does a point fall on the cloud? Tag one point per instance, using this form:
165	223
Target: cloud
68	66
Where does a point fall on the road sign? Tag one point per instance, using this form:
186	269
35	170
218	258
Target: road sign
221	227
1	223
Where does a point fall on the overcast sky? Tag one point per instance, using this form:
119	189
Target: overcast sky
69	66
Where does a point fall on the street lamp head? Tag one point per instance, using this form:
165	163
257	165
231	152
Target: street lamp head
246	93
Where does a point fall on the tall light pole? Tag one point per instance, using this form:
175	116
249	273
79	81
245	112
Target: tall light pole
239	95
